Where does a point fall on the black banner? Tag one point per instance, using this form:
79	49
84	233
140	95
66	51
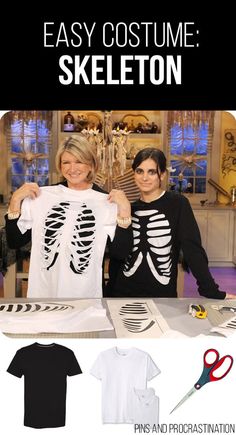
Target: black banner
114	60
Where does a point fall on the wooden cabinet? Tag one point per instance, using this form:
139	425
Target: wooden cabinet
219	236
217	229
201	218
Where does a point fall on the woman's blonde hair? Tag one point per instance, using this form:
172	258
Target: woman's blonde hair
80	148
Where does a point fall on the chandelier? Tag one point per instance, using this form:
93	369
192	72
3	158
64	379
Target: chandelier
110	147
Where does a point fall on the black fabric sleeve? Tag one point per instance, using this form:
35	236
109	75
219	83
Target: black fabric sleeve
74	367
15	239
15	368
122	243
194	254
117	251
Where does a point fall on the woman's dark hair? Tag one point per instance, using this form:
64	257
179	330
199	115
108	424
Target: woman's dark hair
151	153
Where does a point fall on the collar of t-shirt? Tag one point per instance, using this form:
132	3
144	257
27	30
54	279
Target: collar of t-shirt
154	200
77	194
123	353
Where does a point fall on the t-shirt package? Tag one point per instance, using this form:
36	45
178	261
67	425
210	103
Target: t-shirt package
123	372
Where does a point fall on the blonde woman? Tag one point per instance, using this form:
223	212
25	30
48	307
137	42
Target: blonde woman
69	224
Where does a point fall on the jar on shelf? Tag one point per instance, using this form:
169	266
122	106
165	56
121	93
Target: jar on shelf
154	128
81	122
69	122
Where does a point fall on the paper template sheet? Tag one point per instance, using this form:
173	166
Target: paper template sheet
136	318
217	311
222	316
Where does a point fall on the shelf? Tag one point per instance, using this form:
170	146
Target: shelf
88	119
132	135
69	133
91	119
145	135
135	141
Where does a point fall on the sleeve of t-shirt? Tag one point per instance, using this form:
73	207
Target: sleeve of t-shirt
194	253
122	243
110	220
16	367
96	369
74	367
15	239
152	369
25	221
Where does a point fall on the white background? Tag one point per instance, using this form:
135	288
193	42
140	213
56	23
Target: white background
180	362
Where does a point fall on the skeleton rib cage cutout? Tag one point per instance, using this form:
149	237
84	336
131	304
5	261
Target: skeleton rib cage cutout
151	231
82	236
33	307
69	231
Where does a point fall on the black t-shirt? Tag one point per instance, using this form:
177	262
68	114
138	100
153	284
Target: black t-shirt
45	369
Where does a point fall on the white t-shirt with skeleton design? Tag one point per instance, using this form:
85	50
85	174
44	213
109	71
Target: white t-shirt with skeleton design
69	234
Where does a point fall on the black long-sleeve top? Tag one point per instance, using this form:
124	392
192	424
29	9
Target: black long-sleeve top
119	248
161	228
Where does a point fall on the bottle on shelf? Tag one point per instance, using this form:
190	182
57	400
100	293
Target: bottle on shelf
154	128
69	122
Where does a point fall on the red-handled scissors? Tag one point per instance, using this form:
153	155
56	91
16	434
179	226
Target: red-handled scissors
211	362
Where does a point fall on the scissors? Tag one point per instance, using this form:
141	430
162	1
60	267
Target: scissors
211	362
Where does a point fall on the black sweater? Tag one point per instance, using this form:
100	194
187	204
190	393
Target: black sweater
161	228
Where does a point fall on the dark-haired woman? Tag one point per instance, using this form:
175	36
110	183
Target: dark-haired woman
163	223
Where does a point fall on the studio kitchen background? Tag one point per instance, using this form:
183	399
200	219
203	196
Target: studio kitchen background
200	147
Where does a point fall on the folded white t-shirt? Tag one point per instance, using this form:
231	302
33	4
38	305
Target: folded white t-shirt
146	407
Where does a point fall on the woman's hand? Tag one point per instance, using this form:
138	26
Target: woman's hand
123	204
230	296
30	190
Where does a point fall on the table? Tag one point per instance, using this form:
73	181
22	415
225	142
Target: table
174	310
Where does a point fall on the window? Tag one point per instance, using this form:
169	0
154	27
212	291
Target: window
190	140
29	140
